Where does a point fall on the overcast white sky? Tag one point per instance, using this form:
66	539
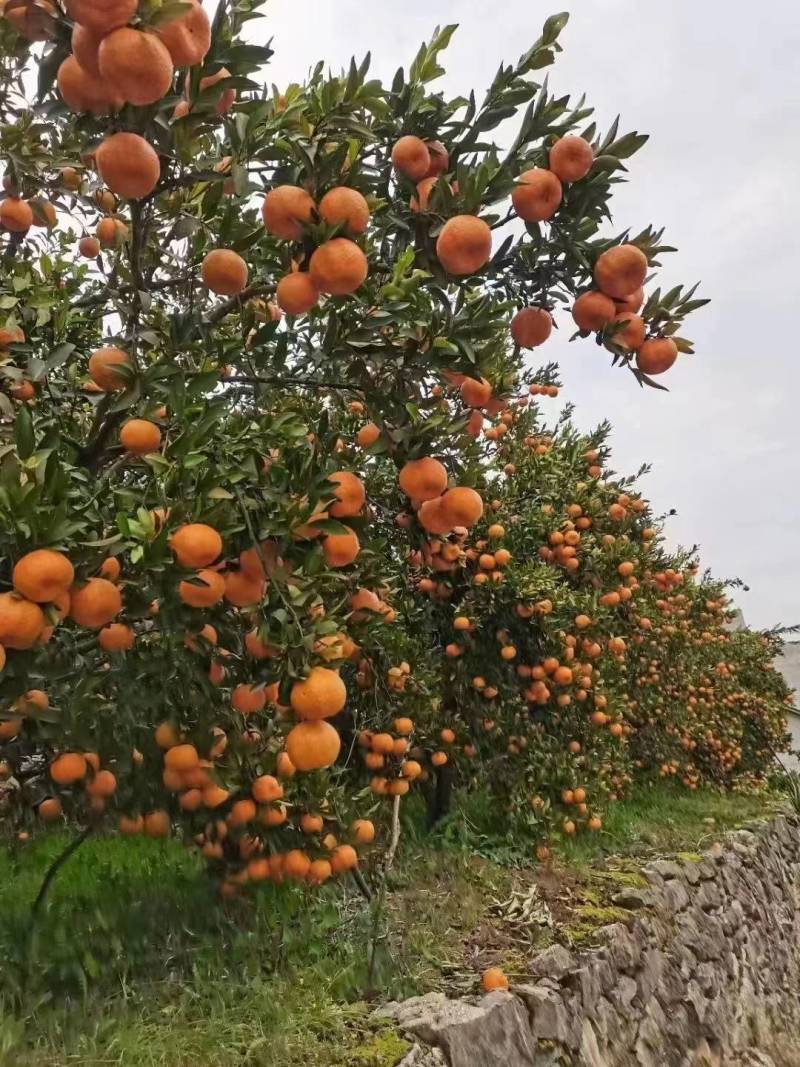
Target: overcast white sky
717	86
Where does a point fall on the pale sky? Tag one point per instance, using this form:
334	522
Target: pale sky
717	86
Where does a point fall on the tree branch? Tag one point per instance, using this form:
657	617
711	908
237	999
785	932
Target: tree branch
235	302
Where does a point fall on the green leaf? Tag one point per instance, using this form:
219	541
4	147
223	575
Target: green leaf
24	436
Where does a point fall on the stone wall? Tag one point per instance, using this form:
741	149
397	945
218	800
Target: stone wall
705	974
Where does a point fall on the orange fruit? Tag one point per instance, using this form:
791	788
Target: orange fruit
187	38
43	575
95	604
243	590
248	698
432	517
656	355
632	333
297	293
21	621
140	436
116	638
531	327
620	271
462	506
284	767
128	165
242	812
344	205
50	809
129	826
350	494
266	789
83	91
102	368
410	155
157	824
320	695
632	302
257	648
296	865
104	784
85	43
68	768
338	267
423	479
286	211
196	545
319	872
340	550
571	158
493	978
476	392
89	247
464	245
425	188
313	745
111	232
136	65
227	97
440	158
343	858
368	435
537	195
592	311
224	272
103	16
363	830
207	589
15	214
34	21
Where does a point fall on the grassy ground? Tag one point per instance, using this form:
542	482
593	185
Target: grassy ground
136	964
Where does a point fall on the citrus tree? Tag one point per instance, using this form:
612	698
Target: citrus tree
261	458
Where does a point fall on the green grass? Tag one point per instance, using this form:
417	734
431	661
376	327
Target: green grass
137	964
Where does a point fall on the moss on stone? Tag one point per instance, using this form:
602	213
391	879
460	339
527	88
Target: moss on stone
385	1049
688	857
589	918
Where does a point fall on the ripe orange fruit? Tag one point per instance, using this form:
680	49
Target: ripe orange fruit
33	21
116	638
592	311
266	789
136	65
68	768
476	392
226	98
242	812
15	214
128	165
632	333
493	978
319	696
50	809
657	355
632	302
209	590
224	272
196	545
95	604
103	366
350	494
187	38
343	858
431	517
571	158
89	247
296	865
140	436
311	746
286	210
111	232
462	506
157	824
102	17
257	648
411	157
248	698
42	575
166	735
21	621
284	767
531	327
297	293
363	831
319	872
85	44
368	435
338	267
440	158
340	550
345	205
423	479
243	590
620	271
104	784
83	91
425	189
464	244
129	826
537	196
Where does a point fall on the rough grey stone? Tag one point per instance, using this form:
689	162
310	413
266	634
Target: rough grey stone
667	869
589	1050
622	949
675	895
554	962
625	993
423	1056
649	977
709	896
632	898
549	1020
